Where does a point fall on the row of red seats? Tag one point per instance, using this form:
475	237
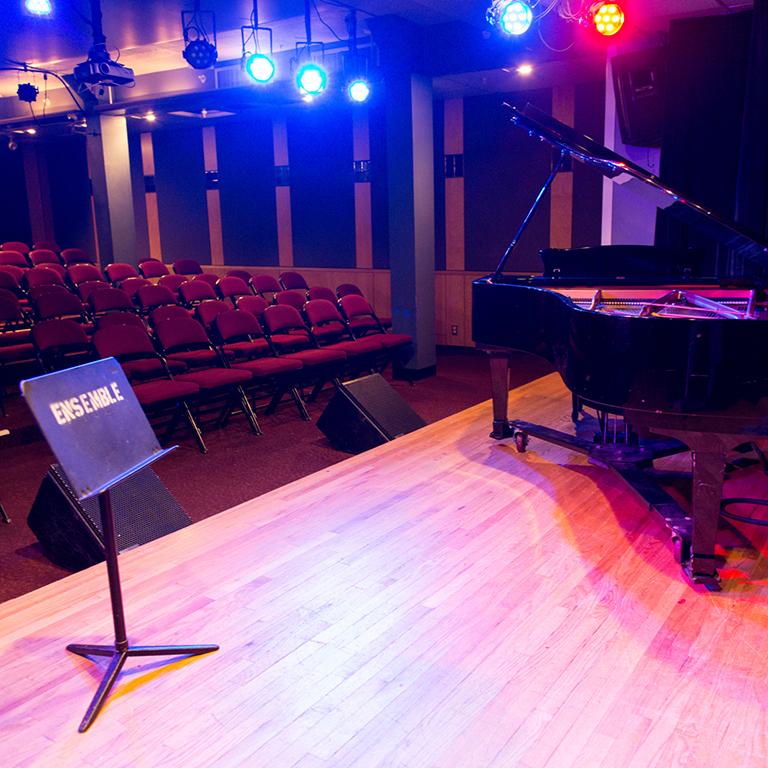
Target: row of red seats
290	356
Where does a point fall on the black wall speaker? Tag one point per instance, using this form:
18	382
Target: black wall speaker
70	530
365	413
638	82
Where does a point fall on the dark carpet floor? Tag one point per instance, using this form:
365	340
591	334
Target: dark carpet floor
238	466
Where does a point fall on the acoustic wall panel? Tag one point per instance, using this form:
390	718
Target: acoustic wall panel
70	190
320	152
246	172
182	202
504	169
587	183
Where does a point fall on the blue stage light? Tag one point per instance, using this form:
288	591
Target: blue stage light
38	7
311	79
359	91
260	68
516	18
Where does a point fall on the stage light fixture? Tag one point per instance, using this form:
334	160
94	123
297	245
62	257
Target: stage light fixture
27	92
516	18
359	91
38	7
199	52
311	79
513	18
260	67
609	18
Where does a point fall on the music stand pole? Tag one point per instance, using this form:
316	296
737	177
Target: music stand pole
121	650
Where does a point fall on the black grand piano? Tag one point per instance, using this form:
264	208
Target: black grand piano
636	333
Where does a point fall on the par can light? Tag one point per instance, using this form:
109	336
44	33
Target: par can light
311	79
260	67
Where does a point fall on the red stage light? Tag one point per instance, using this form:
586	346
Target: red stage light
609	18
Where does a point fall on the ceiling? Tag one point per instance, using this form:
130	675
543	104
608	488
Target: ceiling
147	35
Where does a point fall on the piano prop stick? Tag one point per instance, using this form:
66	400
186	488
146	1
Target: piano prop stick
636	334
100	436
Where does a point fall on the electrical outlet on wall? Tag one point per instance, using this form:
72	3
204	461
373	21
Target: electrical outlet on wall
454	330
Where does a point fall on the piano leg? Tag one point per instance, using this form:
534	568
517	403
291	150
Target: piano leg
499	360
708	475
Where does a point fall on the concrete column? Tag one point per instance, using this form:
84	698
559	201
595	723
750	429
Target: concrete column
110	167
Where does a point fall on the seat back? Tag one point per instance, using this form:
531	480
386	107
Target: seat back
187	267
109	300
118	272
293	281
44	256
237	324
253	304
241	273
17	272
10	283
66	304
207	277
166	312
320	292
282	318
76	256
81	273
153	268
36	291
42	276
354	305
173	282
232	287
207	311
121	341
10	311
348	289
15	259
60	344
179	333
131	286
84	290
194	291
120	318
48	245
326	320
15	245
151	296
262	284
292	298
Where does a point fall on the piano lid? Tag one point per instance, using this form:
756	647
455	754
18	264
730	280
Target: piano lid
641	182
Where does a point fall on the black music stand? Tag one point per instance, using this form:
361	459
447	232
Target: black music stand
100	436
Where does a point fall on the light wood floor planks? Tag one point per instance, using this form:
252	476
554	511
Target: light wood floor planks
439	602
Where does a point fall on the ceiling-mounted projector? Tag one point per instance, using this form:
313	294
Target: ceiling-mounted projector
99	69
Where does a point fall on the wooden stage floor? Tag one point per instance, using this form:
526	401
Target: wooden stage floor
440	601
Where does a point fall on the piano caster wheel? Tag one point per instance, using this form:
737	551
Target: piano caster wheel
677	543
521	441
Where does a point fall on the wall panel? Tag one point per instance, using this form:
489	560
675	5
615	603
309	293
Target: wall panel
70	190
320	149
182	202
504	169
246	171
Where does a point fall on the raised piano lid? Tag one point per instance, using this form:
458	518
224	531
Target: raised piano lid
633	177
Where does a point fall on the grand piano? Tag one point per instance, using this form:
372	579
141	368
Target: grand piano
638	335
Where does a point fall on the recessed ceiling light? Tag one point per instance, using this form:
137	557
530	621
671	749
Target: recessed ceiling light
524	69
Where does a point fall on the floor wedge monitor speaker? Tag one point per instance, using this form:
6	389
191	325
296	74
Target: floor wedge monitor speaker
365	413
70	531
